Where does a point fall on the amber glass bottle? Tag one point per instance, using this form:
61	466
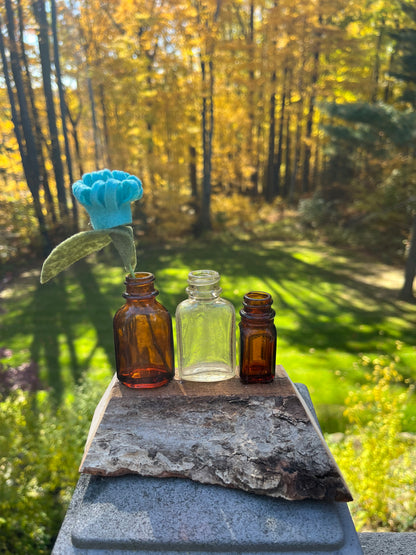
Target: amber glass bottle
143	336
257	338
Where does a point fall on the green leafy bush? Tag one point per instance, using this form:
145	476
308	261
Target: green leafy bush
40	451
376	458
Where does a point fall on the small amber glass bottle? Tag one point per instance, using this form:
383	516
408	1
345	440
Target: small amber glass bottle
257	339
143	336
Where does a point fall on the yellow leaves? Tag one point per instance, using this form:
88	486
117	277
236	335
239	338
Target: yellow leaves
376	459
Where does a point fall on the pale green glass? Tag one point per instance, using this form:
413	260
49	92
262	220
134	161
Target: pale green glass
205	326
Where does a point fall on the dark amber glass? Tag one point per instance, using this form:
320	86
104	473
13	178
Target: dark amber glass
257	339
143	336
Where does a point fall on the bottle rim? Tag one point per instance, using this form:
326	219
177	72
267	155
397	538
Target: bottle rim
198	278
135	284
257	298
140	276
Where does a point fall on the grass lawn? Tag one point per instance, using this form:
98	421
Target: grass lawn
331	307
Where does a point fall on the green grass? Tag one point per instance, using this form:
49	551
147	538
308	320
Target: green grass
331	307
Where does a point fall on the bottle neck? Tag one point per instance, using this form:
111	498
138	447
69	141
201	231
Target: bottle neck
257	305
141	286
204	285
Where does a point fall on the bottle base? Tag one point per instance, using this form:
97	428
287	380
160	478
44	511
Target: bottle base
256	373
145	378
253	380
206	372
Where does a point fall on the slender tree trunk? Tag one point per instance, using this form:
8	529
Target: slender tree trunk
406	294
269	173
309	124
39	12
94	123
377	62
21	124
296	159
74	132
298	135
317	163
37	135
279	156
288	152
252	155
107	153
62	105
207	135
192	172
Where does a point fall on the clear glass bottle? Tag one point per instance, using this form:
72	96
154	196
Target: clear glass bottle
205	325
143	337
257	338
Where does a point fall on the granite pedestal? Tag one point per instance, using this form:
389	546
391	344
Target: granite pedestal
135	514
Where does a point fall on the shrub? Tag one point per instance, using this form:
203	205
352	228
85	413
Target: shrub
40	451
316	212
376	458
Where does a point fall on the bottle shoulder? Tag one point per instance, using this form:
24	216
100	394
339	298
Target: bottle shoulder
134	307
203	305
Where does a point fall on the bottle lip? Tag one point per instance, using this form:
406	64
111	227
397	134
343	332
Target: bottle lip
198	278
258	298
140	286
140	277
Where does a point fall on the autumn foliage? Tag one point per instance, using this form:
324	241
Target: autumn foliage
203	100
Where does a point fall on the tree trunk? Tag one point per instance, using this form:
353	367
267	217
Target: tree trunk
207	135
296	158
39	11
298	135
107	153
94	124
252	155
406	294
74	123
192	172
38	135
377	63
279	156
288	155
62	105
309	125
269	173
22	127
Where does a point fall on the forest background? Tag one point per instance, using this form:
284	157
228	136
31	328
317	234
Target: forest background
245	119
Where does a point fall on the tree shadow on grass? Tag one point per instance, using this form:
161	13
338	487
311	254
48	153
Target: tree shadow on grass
50	309
55	319
329	308
98	307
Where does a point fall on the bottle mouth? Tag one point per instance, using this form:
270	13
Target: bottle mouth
142	276
140	286
199	278
204	284
258	298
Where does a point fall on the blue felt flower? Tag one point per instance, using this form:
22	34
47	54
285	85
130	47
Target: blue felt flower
107	196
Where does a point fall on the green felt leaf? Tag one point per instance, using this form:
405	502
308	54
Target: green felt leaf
123	240
73	249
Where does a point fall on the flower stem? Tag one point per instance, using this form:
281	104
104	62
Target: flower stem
131	270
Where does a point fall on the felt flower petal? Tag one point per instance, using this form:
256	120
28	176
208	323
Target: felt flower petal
121	176
107	196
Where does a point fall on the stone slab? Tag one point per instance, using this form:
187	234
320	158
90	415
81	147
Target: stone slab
388	543
257	438
134	514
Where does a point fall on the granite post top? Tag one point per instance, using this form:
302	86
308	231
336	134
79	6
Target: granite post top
258	438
